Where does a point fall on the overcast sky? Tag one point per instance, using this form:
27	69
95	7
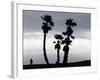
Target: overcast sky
33	35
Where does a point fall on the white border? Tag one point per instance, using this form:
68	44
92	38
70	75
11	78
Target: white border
17	70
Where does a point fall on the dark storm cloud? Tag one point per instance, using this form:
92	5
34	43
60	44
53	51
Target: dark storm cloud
32	22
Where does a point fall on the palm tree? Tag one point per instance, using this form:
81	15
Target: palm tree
68	36
58	46
47	26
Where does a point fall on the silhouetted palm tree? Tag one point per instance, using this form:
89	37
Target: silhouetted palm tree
58	46
68	36
47	26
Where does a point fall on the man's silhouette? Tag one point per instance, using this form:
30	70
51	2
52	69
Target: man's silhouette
31	61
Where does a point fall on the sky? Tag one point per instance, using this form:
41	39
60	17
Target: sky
33	36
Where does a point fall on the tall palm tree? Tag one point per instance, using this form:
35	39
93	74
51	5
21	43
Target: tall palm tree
68	36
47	26
58	37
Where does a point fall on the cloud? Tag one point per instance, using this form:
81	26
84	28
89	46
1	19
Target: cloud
84	34
33	35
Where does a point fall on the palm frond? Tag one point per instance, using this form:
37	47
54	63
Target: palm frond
63	42
74	24
72	37
64	33
54	41
58	36
49	28
51	23
43	18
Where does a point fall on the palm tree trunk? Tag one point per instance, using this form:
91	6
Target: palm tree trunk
44	49
58	56
65	60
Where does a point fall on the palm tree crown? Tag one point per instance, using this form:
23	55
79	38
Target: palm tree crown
47	24
59	38
69	31
70	22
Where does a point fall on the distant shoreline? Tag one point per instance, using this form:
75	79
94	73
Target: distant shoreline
73	64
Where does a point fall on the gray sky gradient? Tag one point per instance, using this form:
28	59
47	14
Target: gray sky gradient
33	22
